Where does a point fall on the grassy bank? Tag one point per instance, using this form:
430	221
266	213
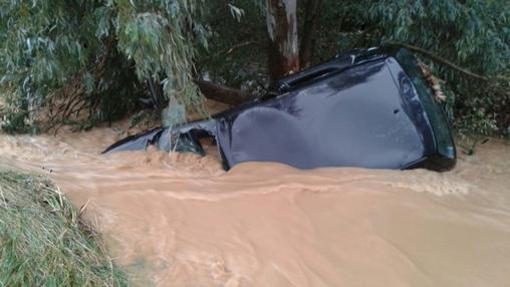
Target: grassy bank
43	241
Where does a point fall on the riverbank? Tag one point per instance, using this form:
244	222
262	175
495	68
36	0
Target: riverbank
44	240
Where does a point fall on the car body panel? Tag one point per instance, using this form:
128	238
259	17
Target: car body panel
368	108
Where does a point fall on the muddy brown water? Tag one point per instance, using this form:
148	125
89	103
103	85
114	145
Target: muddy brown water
180	220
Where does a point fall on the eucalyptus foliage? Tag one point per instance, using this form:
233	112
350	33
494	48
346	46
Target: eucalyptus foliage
474	34
100	50
161	36
236	55
105	50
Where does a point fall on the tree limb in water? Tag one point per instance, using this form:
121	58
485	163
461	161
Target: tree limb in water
221	93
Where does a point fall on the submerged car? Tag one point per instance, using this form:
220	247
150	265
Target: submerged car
368	108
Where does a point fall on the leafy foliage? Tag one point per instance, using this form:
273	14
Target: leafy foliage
474	34
102	52
94	55
160	36
236	55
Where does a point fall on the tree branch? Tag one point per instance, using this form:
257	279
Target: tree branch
439	59
233	48
221	93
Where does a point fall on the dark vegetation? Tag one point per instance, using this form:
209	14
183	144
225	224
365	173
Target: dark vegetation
44	241
86	62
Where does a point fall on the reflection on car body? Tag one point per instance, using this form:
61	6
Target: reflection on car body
368	108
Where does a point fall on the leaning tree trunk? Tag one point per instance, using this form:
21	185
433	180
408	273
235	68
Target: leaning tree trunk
312	11
283	37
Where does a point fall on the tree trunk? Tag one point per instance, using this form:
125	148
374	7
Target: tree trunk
283	37
312	11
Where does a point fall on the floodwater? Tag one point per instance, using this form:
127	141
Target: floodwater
180	220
